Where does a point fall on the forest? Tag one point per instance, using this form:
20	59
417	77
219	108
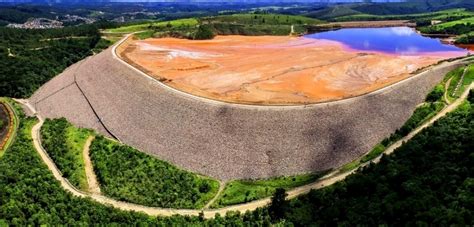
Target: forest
427	181
29	58
133	176
31	196
64	144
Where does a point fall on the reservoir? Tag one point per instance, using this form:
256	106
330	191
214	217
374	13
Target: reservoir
393	40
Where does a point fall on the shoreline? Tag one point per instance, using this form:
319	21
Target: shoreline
202	48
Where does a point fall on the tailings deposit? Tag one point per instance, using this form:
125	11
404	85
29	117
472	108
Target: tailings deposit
285	70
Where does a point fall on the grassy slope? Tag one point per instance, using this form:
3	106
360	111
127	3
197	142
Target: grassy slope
32	197
241	191
130	175
145	26
17	112
243	24
456	22
267	19
65	143
439	15
428	181
468	79
421	114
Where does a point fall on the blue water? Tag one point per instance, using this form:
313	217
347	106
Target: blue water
395	40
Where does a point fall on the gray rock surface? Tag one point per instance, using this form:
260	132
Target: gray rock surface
222	140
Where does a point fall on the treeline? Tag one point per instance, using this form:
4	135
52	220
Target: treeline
457	29
427	181
32	197
133	176
465	39
29	58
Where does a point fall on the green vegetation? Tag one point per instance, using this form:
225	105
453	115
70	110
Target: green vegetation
465	39
29	58
258	24
419	116
443	15
434	103
460	24
3	123
427	181
466	81
436	94
32	197
204	32
130	175
470	97
262	19
190	22
17	112
242	191
64	144
208	27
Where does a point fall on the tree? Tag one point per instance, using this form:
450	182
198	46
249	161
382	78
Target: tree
204	32
435	94
470	98
278	205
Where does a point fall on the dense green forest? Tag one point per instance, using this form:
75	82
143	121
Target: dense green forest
130	175
64	144
31	196
429	180
29	58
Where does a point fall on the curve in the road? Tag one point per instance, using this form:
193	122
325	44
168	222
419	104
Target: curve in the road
229	141
329	179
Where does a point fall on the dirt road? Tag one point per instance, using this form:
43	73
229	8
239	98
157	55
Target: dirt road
93	184
446	86
328	180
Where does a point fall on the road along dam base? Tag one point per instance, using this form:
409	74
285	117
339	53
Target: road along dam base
225	140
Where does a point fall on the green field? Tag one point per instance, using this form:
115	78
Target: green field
241	191
235	24
456	77
439	15
468	79
190	22
469	20
261	19
64	144
129	175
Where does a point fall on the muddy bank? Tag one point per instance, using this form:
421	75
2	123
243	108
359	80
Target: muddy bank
229	141
271	70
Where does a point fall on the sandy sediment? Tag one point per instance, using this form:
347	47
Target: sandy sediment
229	141
273	70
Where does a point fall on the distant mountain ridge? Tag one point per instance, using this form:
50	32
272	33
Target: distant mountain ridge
201	1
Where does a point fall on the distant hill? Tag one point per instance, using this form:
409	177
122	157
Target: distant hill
201	1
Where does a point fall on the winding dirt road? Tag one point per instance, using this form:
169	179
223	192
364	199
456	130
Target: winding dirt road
446	86
327	180
93	184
